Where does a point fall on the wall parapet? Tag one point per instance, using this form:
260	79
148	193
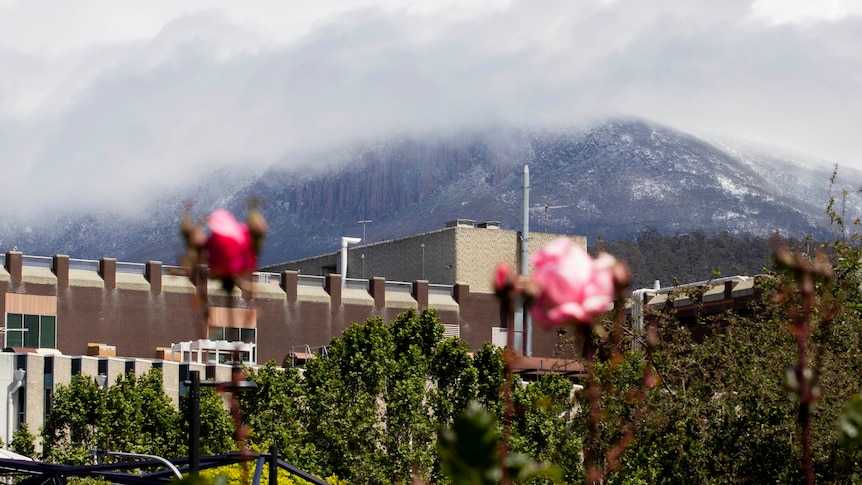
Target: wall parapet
286	284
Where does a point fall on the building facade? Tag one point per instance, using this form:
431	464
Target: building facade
463	252
141	310
31	378
65	317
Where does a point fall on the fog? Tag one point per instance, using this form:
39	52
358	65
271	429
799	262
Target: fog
103	104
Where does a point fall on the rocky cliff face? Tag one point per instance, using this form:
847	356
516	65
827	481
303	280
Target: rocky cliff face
612	179
382	180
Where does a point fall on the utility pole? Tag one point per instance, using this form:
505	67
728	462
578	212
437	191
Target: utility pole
523	324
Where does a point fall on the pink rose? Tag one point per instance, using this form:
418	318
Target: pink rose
572	287
505	279
229	247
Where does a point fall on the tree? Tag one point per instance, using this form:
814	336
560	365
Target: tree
375	403
140	418
23	442
72	427
216	425
274	412
490	378
724	411
541	427
342	419
134	415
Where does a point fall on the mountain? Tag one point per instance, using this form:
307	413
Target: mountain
611	179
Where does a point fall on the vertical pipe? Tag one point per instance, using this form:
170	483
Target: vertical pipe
526	323
525	220
343	260
14	386
344	242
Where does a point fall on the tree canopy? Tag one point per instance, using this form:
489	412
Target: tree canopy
371	411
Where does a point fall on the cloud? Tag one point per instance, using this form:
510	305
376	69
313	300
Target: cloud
181	93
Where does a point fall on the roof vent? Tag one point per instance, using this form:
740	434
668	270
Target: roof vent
489	225
461	223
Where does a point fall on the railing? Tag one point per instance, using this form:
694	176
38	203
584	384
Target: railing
399	287
267	278
356	284
169	269
300	354
84	264
206	350
38	261
440	290
308	280
131	268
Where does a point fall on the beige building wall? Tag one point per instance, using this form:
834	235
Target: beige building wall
41	381
479	251
453	255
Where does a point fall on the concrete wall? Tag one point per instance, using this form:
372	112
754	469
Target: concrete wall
394	260
449	256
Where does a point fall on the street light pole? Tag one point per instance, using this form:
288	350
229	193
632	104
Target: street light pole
364	223
194	410
194	423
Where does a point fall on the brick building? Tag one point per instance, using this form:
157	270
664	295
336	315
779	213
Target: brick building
62	309
141	310
67	308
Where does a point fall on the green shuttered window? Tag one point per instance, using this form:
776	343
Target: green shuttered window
31	331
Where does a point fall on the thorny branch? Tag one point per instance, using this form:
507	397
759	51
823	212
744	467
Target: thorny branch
803	380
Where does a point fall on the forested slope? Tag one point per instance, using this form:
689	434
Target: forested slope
691	257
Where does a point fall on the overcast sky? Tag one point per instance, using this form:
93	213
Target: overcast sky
100	100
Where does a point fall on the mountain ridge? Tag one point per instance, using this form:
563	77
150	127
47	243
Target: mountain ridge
611	179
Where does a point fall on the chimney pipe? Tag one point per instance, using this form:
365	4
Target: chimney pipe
344	242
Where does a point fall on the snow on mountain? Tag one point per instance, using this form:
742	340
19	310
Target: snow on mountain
611	179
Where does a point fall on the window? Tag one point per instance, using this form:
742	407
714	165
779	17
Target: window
233	334
451	330
226	357
499	336
232	330
49	402
31	331
22	407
